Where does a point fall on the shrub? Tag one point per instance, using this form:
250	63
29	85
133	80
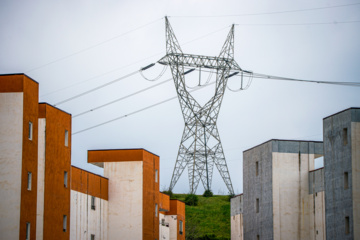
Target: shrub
191	200
170	193
208	193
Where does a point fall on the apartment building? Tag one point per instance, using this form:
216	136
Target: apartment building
286	198
19	113
44	197
276	190
342	174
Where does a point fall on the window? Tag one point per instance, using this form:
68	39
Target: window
92	202
65	179
257	168
347	225
92	237
346	180
181	227
345	136
156	175
64	223
66	138
27	231
156	210
30	131
29	181
257	205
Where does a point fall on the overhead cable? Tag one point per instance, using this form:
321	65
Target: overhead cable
133	63
297	24
256	75
268	13
263	76
269	77
135	93
137	111
93	46
122	98
97	88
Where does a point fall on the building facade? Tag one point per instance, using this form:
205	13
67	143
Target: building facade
89	205
44	197
236	217
286	198
54	169
276	190
342	174
19	112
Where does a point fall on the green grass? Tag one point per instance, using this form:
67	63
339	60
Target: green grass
209	220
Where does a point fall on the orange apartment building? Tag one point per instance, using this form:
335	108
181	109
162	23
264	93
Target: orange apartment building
44	197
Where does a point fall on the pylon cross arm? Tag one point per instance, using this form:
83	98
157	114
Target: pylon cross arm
199	61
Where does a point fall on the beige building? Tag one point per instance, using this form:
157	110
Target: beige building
134	197
277	204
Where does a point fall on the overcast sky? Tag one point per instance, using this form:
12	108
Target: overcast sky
70	47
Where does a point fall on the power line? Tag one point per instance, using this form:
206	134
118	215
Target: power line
269	13
297	24
97	88
255	75
270	77
122	98
92	46
79	95
103	74
263	76
137	111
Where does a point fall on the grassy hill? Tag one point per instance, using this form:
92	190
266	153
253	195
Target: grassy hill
209	220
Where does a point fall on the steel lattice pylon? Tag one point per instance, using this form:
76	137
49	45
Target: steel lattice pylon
195	150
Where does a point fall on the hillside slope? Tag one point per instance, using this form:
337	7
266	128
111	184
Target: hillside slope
209	220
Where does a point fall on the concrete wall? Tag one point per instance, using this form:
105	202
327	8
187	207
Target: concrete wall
125	199
355	153
86	221
173	226
282	189
41	180
339	160
11	132
292	206
236	205
236	218
237	227
164	228
258	187
316	181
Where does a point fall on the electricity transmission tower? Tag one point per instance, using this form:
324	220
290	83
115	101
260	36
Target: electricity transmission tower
200	146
